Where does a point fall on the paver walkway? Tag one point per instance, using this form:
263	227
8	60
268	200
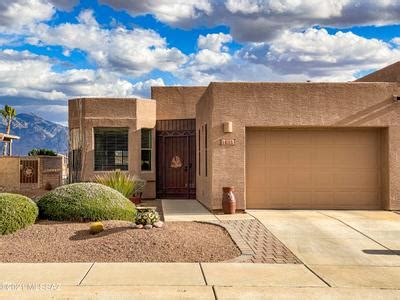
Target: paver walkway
266	247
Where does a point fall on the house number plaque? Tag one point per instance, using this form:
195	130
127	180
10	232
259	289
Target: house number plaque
230	142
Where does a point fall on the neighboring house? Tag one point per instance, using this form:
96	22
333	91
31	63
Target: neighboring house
281	145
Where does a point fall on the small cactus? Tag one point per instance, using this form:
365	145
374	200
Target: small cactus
147	216
96	227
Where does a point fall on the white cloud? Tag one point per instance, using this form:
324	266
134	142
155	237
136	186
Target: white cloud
23	74
396	41
213	42
64	4
132	52
172	12
15	15
321	55
262	20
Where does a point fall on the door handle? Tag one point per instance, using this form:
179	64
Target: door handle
185	168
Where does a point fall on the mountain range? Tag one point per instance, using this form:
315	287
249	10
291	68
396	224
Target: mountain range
36	132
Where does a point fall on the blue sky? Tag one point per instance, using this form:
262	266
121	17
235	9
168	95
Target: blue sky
52	50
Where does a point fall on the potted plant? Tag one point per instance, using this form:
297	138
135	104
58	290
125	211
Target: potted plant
137	191
130	186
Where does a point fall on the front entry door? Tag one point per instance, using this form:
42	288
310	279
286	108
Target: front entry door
176	159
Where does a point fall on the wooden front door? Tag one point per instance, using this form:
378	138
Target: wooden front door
176	159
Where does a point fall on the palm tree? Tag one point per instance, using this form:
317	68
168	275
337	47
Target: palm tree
8	113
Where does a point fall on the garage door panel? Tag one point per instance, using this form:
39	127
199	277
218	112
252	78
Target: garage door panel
323	156
315	169
321	139
256	156
277	156
278	138
300	198
279	179
256	137
300	138
323	180
300	156
256	178
356	179
300	179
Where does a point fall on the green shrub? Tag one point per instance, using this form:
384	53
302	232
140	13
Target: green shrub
16	212
125	184
43	151
85	202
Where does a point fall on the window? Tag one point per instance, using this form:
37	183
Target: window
75	149
146	149
199	142
110	149
205	150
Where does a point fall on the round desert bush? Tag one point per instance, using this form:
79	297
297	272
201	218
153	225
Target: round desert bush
16	212
85	202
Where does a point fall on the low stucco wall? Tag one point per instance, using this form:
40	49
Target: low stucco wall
9	174
293	105
50	171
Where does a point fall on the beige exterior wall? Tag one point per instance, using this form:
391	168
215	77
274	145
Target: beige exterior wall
389	74
9	174
131	113
176	102
286	105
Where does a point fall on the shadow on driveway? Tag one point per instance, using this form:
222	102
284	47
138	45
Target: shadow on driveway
382	252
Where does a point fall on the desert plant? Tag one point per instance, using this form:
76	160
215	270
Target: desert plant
8	113
16	212
124	183
43	151
147	216
85	201
96	227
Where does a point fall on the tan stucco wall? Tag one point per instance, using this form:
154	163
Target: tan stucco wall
294	105
9	174
204	114
176	102
389	74
131	113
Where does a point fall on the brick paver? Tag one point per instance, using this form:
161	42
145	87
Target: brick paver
265	247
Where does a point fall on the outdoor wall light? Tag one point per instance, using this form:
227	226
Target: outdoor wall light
228	127
396	98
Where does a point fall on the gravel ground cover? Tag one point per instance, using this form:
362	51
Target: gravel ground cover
48	241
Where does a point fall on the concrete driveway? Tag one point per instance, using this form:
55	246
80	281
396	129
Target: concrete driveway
343	248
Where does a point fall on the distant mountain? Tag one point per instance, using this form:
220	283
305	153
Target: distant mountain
36	132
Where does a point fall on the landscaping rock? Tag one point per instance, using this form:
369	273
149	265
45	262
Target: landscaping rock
139	226
133	225
158	224
148	226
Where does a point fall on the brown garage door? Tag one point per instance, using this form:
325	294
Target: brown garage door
313	169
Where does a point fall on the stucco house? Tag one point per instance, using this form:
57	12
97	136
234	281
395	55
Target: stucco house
281	145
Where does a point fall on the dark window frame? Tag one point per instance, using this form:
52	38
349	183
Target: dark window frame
199	142
205	150
111	148
146	149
